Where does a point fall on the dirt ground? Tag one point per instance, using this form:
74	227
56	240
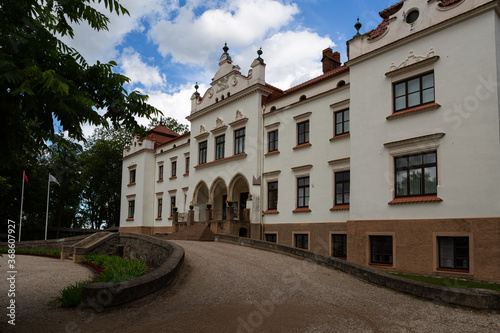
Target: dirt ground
229	288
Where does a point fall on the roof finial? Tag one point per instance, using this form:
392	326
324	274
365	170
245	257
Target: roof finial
357	26
259	52
196	87
225	48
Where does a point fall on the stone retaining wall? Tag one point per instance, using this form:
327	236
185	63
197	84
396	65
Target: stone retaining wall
167	257
478	299
50	244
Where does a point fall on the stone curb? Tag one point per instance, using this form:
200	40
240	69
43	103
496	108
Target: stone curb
472	298
101	295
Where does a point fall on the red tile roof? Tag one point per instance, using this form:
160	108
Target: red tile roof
172	140
385	14
161	135
279	93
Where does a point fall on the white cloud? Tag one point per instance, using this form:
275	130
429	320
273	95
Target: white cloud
292	57
134	68
198	40
101	45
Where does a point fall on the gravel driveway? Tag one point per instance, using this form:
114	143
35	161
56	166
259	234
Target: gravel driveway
229	288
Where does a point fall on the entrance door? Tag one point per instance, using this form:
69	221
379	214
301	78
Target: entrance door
243	200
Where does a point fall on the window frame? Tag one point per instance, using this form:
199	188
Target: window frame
160	172
132	176
382	253
202	152
174	169
303	235
342	182
220	147
131	209
239	141
271	234
454	258
343	122
408	170
343	242
159	208
305	188
272	139
303	132
272	195
172	205
407	94
187	164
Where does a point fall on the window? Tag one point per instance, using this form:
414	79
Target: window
203	152
131	209
172	205
303	192
342	122
454	252
220	144
272	238
273	140
414	92
132	176
303	132
239	141
160	172
174	168
342	187
302	241
381	250
160	207
416	174
187	164
339	246
272	195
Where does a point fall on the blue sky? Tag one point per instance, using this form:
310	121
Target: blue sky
165	46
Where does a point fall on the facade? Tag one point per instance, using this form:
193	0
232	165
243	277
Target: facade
391	160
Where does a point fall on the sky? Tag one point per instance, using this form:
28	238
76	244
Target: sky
166	46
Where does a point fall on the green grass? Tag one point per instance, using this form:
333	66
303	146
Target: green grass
453	283
34	251
116	269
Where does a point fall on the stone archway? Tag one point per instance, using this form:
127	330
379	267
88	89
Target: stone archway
218	197
200	199
239	192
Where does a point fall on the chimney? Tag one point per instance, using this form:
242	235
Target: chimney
330	60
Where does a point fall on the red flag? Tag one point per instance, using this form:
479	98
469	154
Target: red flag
25	177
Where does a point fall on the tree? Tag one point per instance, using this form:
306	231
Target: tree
170	123
101	177
43	81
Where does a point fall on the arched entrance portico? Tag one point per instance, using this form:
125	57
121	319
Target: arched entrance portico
239	191
218	195
200	199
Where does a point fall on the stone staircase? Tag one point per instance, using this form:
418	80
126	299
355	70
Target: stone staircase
196	232
77	251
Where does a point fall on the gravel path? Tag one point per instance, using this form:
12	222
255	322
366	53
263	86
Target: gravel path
228	288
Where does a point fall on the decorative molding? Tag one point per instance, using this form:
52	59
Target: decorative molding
303	116
340	105
257	181
342	164
222	84
413	62
302	171
132	165
172	191
272	127
220	126
430	138
203	133
239	120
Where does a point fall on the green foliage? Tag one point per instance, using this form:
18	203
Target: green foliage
71	296
453	283
42	80
117	269
169	123
34	251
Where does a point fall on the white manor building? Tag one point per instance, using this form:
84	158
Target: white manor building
390	160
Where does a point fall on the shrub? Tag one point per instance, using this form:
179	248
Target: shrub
71	296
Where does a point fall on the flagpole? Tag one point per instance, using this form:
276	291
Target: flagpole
47	213
21	214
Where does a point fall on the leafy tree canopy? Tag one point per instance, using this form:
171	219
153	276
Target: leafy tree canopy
43	81
170	123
